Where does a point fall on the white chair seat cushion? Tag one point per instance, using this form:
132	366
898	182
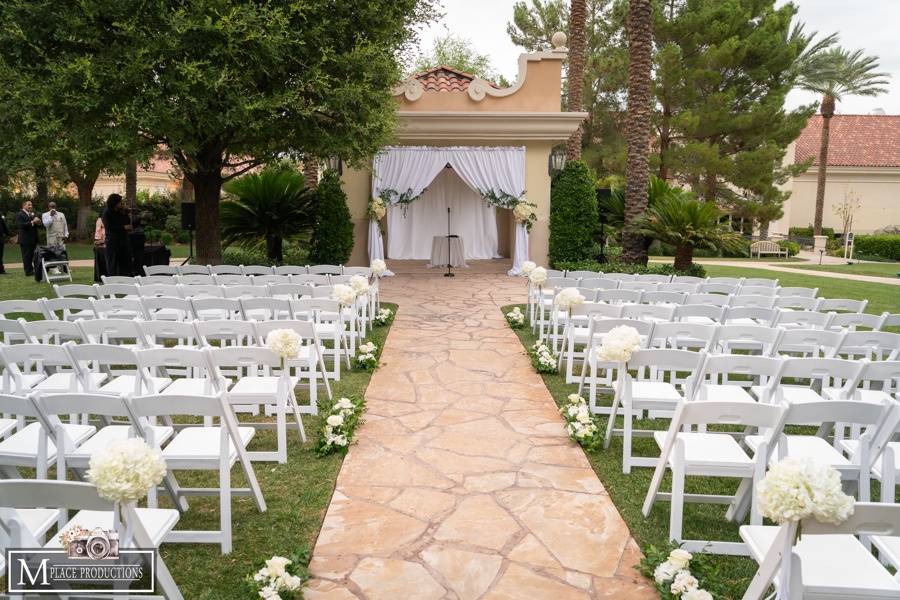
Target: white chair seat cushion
157	522
833	566
806	446
654	394
259	386
745	321
124	384
29	380
64	381
112	433
23	444
860	395
193	446
850	447
187	386
37	521
6	425
698	320
724	393
793	394
716	451
328	330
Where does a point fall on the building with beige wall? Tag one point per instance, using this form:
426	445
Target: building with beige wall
445	107
158	177
863	161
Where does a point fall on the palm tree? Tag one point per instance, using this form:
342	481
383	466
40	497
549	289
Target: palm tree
637	126
575	78
683	221
266	208
836	73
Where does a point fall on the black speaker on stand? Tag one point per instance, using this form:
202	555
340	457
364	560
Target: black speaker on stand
602	194
189	224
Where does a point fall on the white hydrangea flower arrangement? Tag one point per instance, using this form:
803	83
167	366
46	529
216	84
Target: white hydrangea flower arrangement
619	344
673	575
527	267
281	579
568	297
126	470
365	358
378	267
340	421
383	316
524	213
377	209
515	318
538	276
360	285
798	488
286	343
543	359
344	294
581	425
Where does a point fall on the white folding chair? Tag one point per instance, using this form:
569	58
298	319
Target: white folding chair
68	309
310	279
38	368
576	334
688	279
152	270
227	332
752	301
797	302
759	282
188	369
664	297
729	377
120	332
808	376
710	454
616	276
651	277
151	290
842	305
245	291
699	313
51	332
260	381
657	313
118	308
256	270
177	334
325	269
329	320
828	561
206	309
638	285
578	274
874	345
681	288
289	291
750	315
157	279
118	365
683	336
236	279
207	447
226	270
620	296
266	309
798	291
756	290
663	379
726	280
143	528
599	374
711	287
853	321
264	280
804	319
12	332
118	290
808	343
598	283
168	309
193	270
75	290
707	299
202	291
291	270
746	338
310	362
196	279
34	308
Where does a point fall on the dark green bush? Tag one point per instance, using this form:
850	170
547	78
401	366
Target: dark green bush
660	249
332	240
293	255
696	270
793	248
573	214
808	231
886	247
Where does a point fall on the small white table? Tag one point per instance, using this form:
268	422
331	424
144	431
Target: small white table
439	249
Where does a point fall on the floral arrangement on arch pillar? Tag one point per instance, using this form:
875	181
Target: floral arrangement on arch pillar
376	210
524	213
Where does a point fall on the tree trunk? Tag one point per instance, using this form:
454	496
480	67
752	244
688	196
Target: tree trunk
311	173
207	192
274	249
763	229
41	187
575	78
827	112
684	257
131	182
637	126
710	187
85	188
186	193
665	140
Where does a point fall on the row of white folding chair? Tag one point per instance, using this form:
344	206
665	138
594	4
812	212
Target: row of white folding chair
215	445
23	524
752	281
254	270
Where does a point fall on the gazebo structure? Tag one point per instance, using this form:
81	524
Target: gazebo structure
467	147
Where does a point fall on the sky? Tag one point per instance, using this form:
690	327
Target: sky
868	24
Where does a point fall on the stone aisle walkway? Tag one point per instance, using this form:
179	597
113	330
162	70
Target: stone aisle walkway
463	483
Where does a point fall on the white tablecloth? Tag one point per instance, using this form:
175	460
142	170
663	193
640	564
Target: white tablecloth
439	252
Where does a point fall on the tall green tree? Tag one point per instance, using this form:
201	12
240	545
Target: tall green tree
332	240
836	74
227	85
637	126
573	214
577	35
458	53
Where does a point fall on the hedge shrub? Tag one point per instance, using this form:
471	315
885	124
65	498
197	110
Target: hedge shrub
332	240
886	247
808	231
573	214
793	248
696	270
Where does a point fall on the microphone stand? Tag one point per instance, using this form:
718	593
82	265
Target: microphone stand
449	273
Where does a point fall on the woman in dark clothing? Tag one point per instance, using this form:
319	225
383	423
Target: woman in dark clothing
138	240
118	224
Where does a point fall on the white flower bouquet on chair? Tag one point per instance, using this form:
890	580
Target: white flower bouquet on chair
619	344
341	420
538	276
282	578
286	343
527	267
567	298
360	285
378	267
344	294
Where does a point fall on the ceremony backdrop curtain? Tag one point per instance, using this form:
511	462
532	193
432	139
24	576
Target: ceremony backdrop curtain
471	218
411	169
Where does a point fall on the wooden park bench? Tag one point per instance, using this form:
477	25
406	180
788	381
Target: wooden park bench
767	247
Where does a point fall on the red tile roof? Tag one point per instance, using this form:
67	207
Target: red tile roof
444	79
854	141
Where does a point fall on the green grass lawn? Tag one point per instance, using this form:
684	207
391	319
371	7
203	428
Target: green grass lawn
77	251
765	259
875	269
14	285
297	493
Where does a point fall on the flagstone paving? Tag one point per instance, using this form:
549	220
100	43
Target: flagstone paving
462	483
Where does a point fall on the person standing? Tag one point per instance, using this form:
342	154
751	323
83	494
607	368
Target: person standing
117	224
28	224
56	226
99	251
4	235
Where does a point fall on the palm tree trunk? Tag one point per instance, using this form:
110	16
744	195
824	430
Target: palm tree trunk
575	79
310	173
637	126
827	112
684	257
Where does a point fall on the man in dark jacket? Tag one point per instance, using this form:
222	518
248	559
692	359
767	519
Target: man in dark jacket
28	224
4	235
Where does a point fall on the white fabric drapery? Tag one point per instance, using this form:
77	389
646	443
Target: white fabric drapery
471	218
411	169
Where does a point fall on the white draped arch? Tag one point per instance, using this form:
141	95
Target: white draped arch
402	173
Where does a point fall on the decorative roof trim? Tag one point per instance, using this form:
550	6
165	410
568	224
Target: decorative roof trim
487	126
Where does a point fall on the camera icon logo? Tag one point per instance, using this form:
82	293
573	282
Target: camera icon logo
96	544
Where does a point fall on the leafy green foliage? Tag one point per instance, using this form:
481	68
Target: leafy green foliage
266	208
885	247
332	240
695	270
807	231
458	53
793	248
704	567
573	214
612	208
